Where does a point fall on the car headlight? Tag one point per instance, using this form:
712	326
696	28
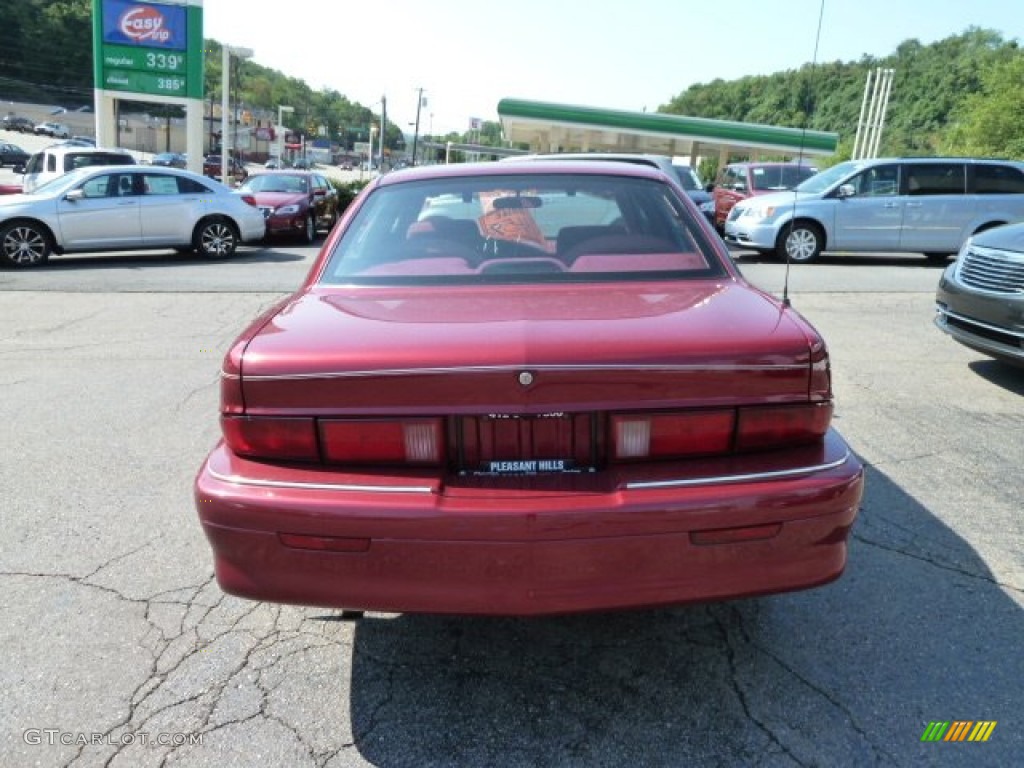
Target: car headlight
286	210
760	212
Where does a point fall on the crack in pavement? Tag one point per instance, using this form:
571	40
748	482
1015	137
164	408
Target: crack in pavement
989	579
885	758
741	696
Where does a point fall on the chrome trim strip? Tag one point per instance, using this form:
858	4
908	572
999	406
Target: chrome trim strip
236	480
753	477
643	485
972	321
520	368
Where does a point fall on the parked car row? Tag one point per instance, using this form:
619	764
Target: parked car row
125	207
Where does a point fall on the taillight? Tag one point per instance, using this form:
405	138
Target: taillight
249	199
231	400
271	437
667	435
365	441
777	426
638	436
821	373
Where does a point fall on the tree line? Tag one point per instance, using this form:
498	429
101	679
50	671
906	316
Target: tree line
959	96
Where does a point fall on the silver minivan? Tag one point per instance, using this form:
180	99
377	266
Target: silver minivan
910	205
60	158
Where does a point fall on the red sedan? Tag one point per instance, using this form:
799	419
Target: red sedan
294	203
526	390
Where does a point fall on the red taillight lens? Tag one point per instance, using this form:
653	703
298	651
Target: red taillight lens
359	441
249	199
777	426
666	435
271	437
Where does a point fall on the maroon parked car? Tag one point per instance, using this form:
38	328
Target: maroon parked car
526	388
294	203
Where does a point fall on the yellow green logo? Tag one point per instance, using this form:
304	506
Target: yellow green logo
958	730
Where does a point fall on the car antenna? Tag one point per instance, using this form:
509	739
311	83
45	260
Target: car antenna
800	153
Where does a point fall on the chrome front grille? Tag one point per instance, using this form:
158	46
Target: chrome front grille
992	270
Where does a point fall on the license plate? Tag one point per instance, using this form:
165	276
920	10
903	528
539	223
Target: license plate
527	467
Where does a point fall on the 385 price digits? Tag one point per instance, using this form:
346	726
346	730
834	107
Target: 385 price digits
170	83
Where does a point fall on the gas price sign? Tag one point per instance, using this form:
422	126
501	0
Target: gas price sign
149	48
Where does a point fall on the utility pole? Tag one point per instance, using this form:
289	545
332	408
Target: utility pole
416	133
383	124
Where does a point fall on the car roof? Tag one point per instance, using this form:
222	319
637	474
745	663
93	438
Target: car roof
545	166
658	161
285	172
771	164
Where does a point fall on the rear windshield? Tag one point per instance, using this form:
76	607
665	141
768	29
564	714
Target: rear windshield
73	160
523	229
777	178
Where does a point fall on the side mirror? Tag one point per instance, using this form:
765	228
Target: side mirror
74	195
846	190
19	168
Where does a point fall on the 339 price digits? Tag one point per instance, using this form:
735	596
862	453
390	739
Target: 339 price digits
167	61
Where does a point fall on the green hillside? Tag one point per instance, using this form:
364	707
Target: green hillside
960	95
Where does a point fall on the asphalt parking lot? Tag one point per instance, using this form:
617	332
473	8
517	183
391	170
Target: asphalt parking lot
121	651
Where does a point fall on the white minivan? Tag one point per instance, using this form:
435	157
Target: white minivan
928	205
60	158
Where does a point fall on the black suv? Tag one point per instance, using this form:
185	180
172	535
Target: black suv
12	155
19	124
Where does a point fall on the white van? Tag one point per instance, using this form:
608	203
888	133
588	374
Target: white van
60	158
928	205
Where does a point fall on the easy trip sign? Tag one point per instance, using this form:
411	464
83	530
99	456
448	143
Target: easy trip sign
151	25
149	48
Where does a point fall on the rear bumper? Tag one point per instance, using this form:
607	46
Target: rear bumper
293	225
415	546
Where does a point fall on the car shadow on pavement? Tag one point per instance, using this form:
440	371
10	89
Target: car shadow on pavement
847	259
917	630
1009	377
139	259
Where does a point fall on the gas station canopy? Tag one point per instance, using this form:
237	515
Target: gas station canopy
548	127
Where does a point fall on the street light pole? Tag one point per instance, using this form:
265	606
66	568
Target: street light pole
227	51
416	132
281	109
383	124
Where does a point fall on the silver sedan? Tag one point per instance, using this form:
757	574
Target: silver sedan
122	208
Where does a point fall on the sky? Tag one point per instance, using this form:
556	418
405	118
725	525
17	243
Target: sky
466	55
